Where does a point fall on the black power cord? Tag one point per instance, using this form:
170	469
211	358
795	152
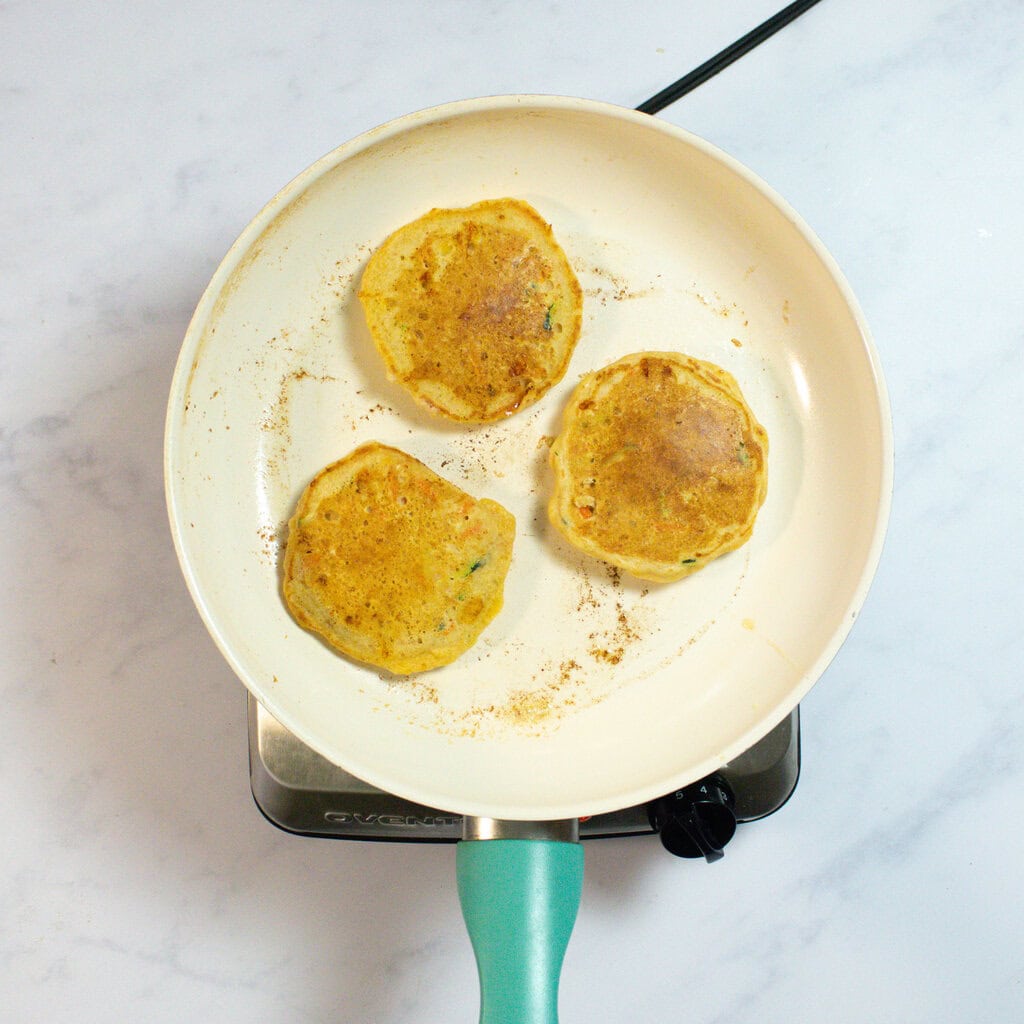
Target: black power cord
722	60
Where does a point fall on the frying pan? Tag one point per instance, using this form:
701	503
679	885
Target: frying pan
590	691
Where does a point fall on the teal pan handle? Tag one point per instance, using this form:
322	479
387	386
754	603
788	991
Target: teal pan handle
519	899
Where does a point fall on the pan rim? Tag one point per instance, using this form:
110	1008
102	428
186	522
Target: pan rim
193	338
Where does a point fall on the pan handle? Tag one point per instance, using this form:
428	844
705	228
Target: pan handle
519	899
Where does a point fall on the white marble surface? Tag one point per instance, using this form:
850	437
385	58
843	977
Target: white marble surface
138	881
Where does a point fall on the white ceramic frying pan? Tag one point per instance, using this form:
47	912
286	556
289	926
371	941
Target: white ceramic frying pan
590	691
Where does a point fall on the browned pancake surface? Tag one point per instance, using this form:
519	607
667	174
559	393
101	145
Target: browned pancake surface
392	564
660	466
475	311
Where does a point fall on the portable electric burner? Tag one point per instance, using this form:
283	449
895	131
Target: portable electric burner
301	792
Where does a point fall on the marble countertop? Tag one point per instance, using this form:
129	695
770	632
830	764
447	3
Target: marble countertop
137	879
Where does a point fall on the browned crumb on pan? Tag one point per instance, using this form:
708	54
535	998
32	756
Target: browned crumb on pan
609	286
587	597
534	706
347	271
278	416
425	693
610	645
527	707
480	455
716	304
272	541
557	691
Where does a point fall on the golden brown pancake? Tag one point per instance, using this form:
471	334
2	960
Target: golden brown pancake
393	565
475	311
660	466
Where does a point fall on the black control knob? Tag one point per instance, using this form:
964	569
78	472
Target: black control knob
696	821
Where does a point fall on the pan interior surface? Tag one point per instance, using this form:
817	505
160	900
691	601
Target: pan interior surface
590	691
